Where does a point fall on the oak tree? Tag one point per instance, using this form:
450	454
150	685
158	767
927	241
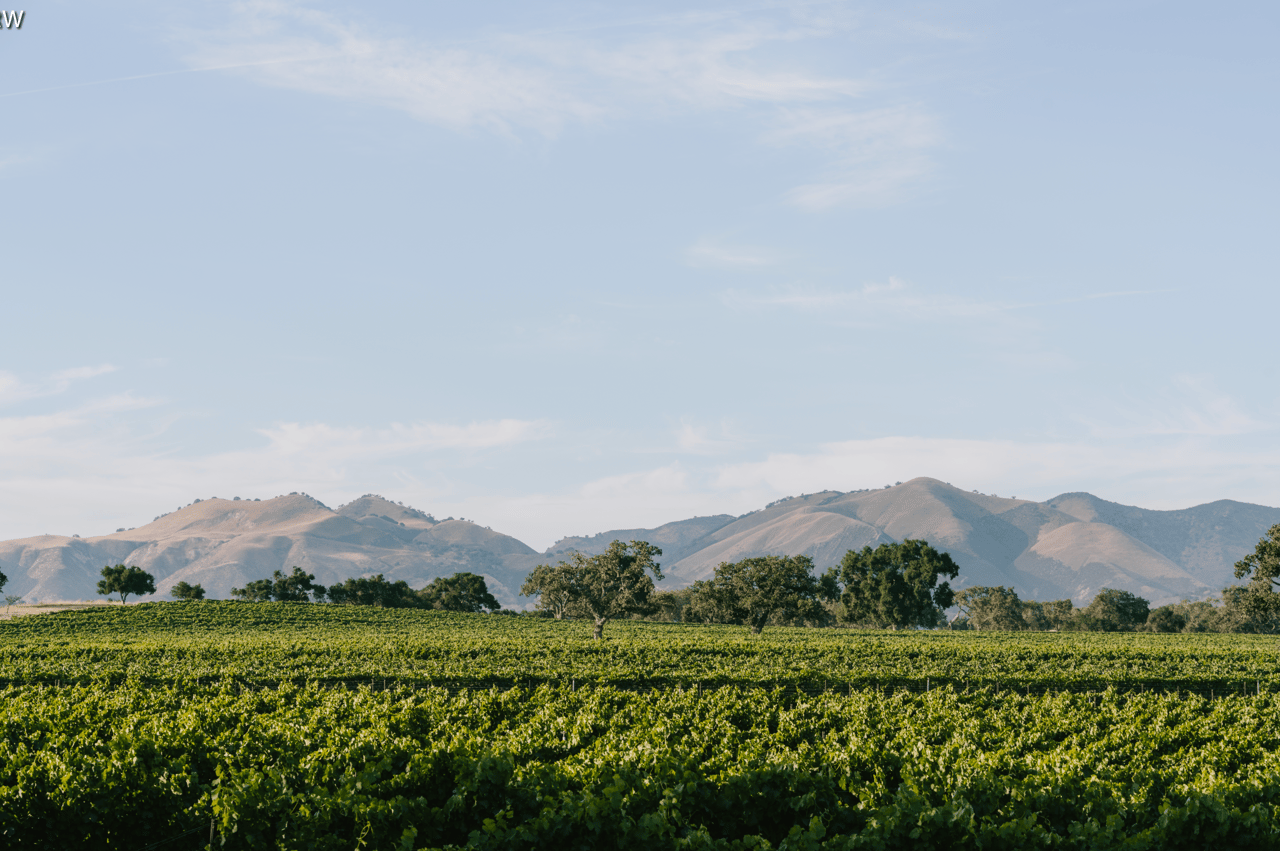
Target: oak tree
610	585
126	581
991	607
896	585
462	592
755	591
184	591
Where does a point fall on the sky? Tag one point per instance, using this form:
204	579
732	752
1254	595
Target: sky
564	267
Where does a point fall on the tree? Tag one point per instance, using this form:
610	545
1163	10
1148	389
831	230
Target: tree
1058	613
257	591
1166	619
298	586
610	585
3	579
1258	599
375	591
10	600
125	581
183	591
1117	611
553	586
462	592
671	605
756	590
895	585
989	607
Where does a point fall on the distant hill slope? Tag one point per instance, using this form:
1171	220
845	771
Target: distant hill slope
222	543
1069	546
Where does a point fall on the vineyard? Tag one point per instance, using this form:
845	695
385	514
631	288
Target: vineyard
306	726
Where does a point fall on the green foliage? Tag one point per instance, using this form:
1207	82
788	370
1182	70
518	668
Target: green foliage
3	579
126	581
670	606
184	591
1116	611
1263	564
297	587
309	767
270	643
603	587
462	592
553	586
1166	619
990	608
757	591
1258	601
895	585
1054	614
375	591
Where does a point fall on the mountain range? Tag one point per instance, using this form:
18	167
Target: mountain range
1070	546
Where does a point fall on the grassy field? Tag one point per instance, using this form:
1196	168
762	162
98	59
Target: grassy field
305	726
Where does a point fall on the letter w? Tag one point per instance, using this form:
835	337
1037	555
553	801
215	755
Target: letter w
11	20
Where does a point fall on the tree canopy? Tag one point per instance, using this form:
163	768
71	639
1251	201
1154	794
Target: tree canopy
183	591
1258	599
1115	611
612	584
126	581
991	607
755	591
462	592
298	586
374	591
553	586
896	585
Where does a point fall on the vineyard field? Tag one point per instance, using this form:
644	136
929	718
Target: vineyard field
168	726
274	643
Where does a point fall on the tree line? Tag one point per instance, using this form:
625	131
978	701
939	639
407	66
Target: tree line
895	586
462	592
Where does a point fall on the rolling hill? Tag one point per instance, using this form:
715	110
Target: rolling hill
1070	546
221	544
1066	547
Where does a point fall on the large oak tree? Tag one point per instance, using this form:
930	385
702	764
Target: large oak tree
896	585
603	587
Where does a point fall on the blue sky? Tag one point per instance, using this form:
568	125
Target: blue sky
563	267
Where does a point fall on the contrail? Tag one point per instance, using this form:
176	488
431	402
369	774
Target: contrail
170	74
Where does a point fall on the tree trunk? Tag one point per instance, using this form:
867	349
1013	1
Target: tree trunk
755	629
599	633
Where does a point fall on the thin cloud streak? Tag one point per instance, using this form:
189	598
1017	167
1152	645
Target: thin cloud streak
544	82
175	72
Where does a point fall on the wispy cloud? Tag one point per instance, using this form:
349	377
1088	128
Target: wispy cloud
104	459
349	443
545	81
875	155
15	389
698	439
902	298
1190	405
707	252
